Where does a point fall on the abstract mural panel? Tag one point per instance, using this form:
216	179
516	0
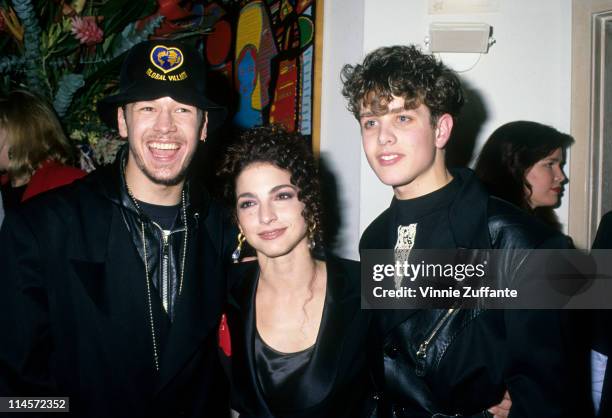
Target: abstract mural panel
265	49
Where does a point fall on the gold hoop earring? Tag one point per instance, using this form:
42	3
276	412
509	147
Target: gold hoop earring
236	254
312	229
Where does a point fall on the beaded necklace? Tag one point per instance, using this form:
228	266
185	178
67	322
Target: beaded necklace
146	263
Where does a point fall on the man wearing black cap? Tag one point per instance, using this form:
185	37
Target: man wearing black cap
112	288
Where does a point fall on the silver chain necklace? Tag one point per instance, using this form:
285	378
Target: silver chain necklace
146	263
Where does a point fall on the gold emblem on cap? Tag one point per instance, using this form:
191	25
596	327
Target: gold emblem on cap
161	54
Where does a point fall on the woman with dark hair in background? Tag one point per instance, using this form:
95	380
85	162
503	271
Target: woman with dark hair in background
297	335
34	151
522	162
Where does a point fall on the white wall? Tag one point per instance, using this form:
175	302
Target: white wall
525	75
340	139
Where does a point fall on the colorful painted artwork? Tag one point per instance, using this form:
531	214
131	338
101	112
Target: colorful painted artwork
285	104
250	105
266	49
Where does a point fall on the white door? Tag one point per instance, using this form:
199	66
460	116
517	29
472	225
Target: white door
591	125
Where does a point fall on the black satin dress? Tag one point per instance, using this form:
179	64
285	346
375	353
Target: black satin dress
279	373
329	379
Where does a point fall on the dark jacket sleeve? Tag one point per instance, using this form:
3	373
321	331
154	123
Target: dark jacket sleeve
544	360
26	342
537	364
603	239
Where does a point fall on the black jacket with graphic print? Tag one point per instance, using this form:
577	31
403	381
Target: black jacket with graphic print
434	362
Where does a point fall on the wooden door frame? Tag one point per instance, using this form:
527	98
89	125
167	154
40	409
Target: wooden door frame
585	168
317	79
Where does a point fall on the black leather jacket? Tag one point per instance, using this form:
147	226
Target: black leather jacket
164	250
74	312
459	362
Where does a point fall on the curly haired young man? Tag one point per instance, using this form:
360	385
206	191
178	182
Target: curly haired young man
457	361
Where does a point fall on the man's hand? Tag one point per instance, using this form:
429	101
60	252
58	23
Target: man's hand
502	410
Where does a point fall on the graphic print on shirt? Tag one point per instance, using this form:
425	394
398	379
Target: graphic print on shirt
405	241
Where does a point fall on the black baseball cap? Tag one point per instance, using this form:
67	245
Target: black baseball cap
154	69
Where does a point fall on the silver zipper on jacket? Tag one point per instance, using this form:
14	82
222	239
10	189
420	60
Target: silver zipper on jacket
164	281
165	285
422	351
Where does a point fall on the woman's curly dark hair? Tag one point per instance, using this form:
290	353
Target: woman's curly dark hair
287	151
406	72
511	150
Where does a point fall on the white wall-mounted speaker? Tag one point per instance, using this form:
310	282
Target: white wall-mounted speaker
459	37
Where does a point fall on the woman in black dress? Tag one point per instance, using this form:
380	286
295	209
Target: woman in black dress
294	338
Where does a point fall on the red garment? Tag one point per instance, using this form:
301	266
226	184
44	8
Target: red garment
225	341
50	175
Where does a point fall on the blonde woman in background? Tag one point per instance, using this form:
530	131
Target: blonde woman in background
35	155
